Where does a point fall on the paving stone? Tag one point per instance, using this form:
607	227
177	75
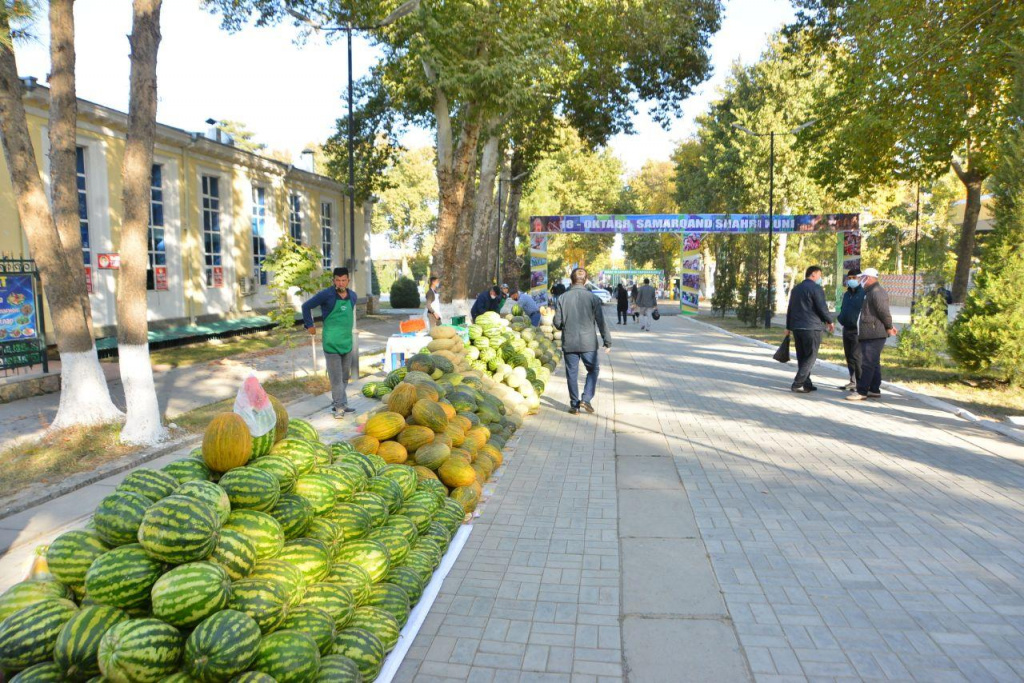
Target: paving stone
647	472
661	649
668	577
656	514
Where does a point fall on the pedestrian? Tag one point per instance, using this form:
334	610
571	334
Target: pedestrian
504	296
875	327
338	312
646	301
433	302
579	316
849	317
529	306
806	316
487	300
622	303
632	295
558	290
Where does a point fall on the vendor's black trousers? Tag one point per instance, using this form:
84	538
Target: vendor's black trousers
851	347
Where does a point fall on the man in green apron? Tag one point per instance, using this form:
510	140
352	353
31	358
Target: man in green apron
338	312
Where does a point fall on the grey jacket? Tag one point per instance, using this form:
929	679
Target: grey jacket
578	315
645	297
875	318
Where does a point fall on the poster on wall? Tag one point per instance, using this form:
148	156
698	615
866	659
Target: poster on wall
689	273
108	261
88	279
538	264
17	307
160	278
218	276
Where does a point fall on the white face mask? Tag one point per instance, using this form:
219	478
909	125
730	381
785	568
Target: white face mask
853	283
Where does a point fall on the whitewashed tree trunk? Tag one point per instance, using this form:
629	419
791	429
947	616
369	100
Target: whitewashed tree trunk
84	395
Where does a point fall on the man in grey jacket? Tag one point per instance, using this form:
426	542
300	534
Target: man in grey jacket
646	301
579	316
874	328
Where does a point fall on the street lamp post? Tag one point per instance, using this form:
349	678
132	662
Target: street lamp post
769	312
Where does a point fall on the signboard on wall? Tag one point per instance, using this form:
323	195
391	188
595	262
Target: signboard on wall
160	278
218	276
88	279
108	261
17	307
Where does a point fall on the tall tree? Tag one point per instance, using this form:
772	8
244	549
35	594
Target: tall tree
244	138
85	397
407	210
143	425
652	190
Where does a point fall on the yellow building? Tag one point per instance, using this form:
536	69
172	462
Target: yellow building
216	211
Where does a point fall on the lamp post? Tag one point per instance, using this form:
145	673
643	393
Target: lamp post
770	310
403	10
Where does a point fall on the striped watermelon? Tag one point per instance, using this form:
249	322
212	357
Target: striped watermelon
429	546
140	651
223	645
288	656
322	452
421	562
409	580
285	574
310	556
387	489
71	554
370	463
314	622
209	493
263	530
354	472
261	444
338	669
403	476
299	451
294	513
118	516
28	593
327	531
334	599
419	513
78	642
317	490
427	498
392	539
47	672
340	449
262	599
188	594
253	677
344	482
235	553
363	648
370	555
251	489
351	576
353	520
439	533
28	636
435	487
179	529
188	469
372	503
300	429
378	622
122	577
403	525
279	466
153	484
392	599
180	677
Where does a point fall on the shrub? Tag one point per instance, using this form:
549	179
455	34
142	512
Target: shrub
925	340
295	268
404	294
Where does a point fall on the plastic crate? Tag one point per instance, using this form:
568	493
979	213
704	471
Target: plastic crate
412	326
459	320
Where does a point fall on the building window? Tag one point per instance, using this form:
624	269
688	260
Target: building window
83	208
211	231
157	245
327	232
295	218
259	233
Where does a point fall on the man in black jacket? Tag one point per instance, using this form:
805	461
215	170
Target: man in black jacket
849	318
875	327
806	317
578	314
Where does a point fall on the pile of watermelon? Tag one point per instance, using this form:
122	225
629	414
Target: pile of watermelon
299	564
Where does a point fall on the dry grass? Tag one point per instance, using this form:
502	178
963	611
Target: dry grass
240	347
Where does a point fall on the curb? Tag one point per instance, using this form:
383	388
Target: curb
985	423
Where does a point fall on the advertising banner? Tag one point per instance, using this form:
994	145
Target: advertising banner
694	222
17	307
108	261
160	278
88	279
538	264
218	276
689	273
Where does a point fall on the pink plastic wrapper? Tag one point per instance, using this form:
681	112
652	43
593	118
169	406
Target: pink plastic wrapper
253	404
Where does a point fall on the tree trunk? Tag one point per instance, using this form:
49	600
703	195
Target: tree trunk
899	257
143	425
497	223
972	180
85	398
464	236
510	267
480	259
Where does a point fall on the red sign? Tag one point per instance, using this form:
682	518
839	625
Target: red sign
160	278
108	261
88	279
218	276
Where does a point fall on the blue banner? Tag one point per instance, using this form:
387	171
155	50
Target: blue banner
695	223
17	307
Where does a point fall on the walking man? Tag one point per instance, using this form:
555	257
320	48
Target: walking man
579	316
806	317
529	306
875	328
849	317
646	300
621	304
338	312
433	302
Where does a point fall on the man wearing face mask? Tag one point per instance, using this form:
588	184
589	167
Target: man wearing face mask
806	317
874	328
488	300
849	317
338	311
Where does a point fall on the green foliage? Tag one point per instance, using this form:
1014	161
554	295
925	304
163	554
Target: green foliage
374	279
407	210
404	294
295	271
652	190
242	136
925	340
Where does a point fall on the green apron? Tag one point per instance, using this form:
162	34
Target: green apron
338	327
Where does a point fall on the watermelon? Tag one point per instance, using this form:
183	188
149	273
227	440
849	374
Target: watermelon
294	513
27	593
179	529
299	451
369	389
71	554
339	449
373	504
118	516
387	489
363	648
353	521
321	452
288	656
344	482
209	493
46	672
139	651
180	677
262	599
392	599
281	467
309	556
394	540
429	496
78	642
223	645
421	562
301	429
285	574
425	544
404	525
253	677
153	484
324	530
370	555
261	444
235	552
419	513
122	577
250	488
353	577
403	476
378	622
188	469
365	461
263	530
439	532
354	471
314	622
188	594
338	669
28	636
334	599
409	580
318	491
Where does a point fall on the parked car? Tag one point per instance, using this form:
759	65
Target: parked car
600	293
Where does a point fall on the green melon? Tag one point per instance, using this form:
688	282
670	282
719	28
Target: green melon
153	484
338	669
281	467
288	656
28	593
374	504
29	635
392	599
223	645
310	556
353	521
263	530
179	529
122	577
235	552
318	491
250	488
294	513
353	577
262	599
78	642
370	555
71	554
140	651
333	598
433	455
188	469
314	622
209	493
118	516
190	593
363	648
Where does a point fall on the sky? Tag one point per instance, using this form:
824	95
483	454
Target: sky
291	95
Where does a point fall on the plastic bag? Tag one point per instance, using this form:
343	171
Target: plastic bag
782	353
253	404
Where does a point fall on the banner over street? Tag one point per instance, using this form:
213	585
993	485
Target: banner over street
695	222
